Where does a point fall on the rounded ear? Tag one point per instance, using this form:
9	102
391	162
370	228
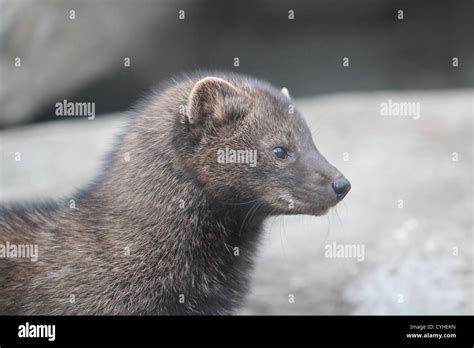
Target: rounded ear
286	92
207	100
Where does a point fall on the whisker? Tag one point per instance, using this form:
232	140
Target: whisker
345	206
250	213
339	219
282	221
245	218
328	230
241	203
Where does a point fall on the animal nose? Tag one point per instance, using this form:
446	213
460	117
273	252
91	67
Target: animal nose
341	187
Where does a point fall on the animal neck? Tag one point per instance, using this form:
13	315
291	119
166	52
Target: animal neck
166	206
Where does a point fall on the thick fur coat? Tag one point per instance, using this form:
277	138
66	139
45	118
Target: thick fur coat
166	229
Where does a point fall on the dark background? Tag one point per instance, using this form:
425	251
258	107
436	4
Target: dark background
304	54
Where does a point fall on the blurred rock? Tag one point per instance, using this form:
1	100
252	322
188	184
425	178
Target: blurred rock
82	59
60	55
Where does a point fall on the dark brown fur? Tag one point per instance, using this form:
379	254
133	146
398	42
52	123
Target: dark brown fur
179	212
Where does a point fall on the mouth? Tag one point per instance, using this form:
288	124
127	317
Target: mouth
315	204
324	211
301	207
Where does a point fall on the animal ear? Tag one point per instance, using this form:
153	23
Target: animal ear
207	101
286	92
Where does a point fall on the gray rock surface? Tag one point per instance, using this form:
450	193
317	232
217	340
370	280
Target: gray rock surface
60	55
418	259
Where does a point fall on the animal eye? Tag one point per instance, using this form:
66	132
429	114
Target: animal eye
281	152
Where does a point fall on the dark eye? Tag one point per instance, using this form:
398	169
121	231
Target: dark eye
281	152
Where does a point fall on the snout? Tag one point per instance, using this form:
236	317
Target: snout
341	187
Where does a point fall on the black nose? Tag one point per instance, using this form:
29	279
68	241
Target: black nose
341	187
